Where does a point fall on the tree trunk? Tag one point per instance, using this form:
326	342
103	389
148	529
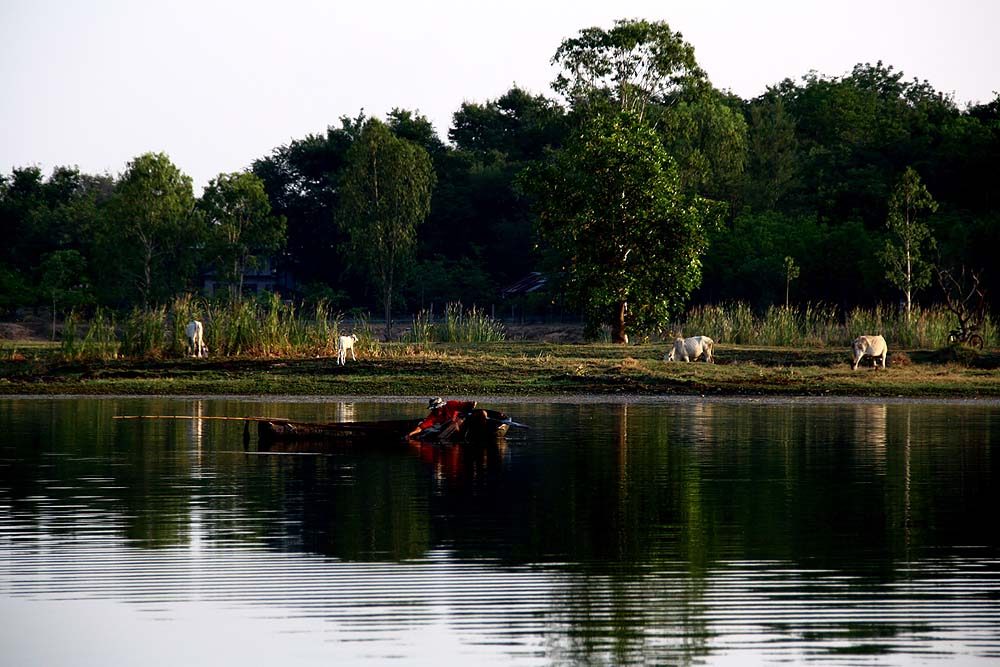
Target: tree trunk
237	288
388	312
618	325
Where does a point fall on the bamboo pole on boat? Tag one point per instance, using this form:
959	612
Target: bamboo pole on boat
236	419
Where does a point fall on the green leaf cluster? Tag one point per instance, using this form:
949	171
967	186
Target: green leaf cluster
611	209
385	194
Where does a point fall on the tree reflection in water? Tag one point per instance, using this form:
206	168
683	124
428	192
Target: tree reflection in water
625	531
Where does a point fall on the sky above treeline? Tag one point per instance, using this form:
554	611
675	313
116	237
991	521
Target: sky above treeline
218	84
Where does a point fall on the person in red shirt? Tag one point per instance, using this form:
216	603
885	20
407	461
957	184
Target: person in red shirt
443	414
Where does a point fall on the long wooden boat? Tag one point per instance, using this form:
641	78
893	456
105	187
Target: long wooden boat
394	431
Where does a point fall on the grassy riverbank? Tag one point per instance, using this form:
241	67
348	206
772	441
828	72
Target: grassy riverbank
515	368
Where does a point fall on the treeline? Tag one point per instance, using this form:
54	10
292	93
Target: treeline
806	172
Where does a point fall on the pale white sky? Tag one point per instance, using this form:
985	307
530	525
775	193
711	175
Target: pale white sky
217	84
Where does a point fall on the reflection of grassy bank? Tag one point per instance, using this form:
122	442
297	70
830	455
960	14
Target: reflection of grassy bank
514	368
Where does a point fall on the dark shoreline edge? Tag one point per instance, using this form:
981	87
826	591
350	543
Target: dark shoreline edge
498	400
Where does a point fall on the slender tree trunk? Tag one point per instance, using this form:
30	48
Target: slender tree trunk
388	313
909	280
387	296
618	325
237	279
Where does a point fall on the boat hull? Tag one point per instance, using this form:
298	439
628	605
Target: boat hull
385	432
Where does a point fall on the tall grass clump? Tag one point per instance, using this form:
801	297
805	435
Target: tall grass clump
278	326
71	345
183	309
988	330
470	326
368	342
321	337
821	325
923	327
144	332
101	340
479	327
779	327
731	322
422	329
235	328
456	326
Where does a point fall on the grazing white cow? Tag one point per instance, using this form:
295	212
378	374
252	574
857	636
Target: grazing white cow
344	344
196	339
689	349
869	346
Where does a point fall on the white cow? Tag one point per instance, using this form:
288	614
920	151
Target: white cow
869	346
196	339
689	349
344	344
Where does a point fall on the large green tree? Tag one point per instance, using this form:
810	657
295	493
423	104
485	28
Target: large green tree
628	242
910	238
43	216
385	193
636	66
152	231
646	69
242	232
62	278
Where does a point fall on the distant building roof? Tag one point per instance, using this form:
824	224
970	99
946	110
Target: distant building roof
532	282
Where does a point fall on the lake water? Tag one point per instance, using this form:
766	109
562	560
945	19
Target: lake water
705	532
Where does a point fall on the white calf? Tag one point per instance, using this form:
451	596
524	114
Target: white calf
689	349
196	339
869	346
344	344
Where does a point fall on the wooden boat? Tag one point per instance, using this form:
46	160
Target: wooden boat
473	430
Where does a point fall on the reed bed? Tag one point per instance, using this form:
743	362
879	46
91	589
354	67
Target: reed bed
96	340
821	325
145	333
266	328
458	325
271	327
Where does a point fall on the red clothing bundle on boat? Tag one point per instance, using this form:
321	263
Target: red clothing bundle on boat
447	413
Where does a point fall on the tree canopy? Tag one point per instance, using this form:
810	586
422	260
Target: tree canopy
632	66
242	233
385	193
910	239
806	170
151	231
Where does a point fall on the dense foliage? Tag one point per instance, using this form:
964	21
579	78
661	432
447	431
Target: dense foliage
806	172
385	194
627	241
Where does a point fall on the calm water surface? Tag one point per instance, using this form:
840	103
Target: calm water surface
688	532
